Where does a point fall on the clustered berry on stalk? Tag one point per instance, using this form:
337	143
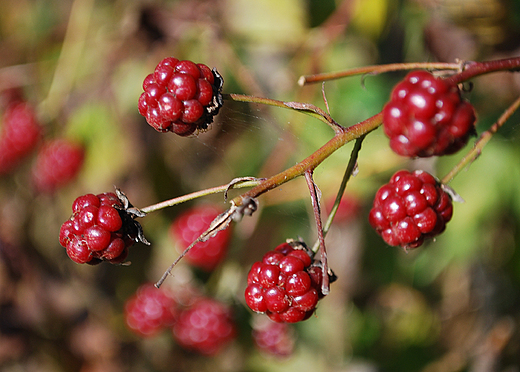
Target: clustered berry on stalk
101	228
181	97
286	284
410	208
426	116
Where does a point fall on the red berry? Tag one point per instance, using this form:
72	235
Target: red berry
20	134
150	310
58	162
99	229
188	227
426	116
273	338
284	285
410	208
205	327
181	97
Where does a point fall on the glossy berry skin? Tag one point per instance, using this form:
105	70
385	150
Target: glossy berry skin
286	284
205	327
58	162
150	310
21	132
181	97
410	208
426	116
99	229
188	226
273	338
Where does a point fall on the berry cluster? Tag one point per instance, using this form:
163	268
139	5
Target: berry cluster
286	284
57	163
21	133
426	116
411	207
189	226
204	327
150	310
181	96
102	227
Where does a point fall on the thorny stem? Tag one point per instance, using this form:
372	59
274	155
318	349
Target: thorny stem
352	163
198	194
481	142
376	69
325	289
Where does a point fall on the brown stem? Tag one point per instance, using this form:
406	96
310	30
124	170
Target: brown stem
473	69
325	288
306	108
312	161
376	69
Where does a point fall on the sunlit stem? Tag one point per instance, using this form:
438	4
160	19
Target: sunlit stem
198	194
481	142
376	69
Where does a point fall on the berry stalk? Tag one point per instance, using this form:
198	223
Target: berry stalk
484	138
198	194
311	162
351	166
474	69
377	69
307	108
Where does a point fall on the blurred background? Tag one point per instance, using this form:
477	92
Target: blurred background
451	305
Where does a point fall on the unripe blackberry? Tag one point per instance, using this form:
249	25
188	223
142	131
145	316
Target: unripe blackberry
410	208
286	284
150	310
426	116
205	327
181	97
188	226
58	162
101	228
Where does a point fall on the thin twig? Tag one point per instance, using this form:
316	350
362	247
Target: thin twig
376	69
325	287
198	194
484	138
306	108
346	177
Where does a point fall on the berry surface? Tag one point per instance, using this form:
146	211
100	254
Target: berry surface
181	97
286	284
205	327
426	116
99	229
410	208
188	226
150	310
20	134
58	162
